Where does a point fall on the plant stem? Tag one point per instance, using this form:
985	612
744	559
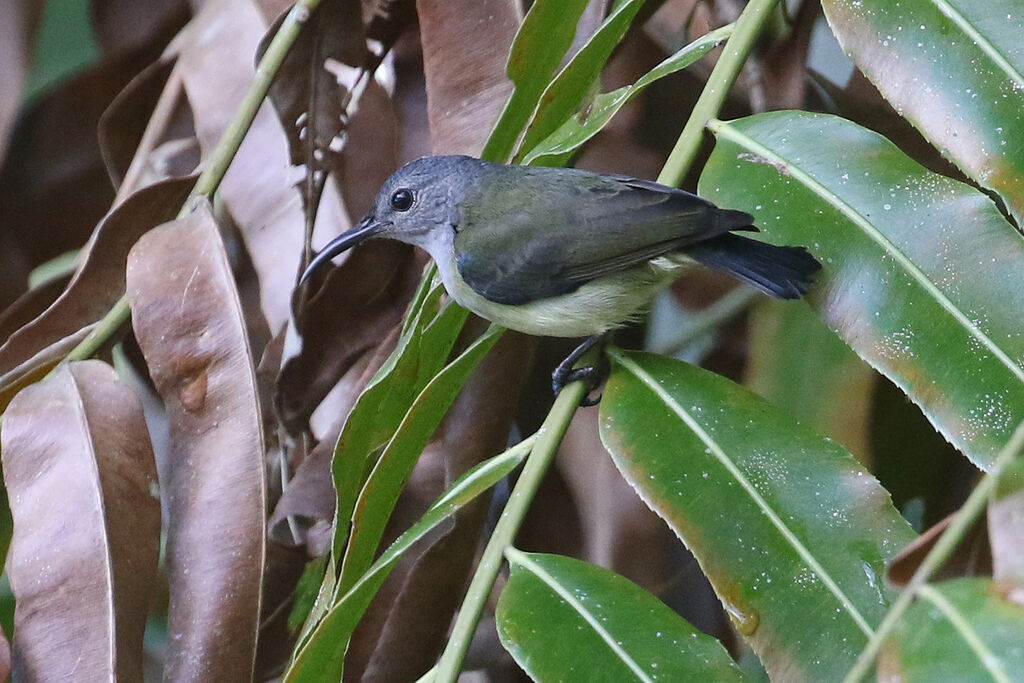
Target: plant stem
734	54
549	436
939	553
557	421
221	157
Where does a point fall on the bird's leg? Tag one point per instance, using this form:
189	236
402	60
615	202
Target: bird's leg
593	375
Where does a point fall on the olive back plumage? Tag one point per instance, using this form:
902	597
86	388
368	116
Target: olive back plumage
525	234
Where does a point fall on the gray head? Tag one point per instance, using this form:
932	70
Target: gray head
412	206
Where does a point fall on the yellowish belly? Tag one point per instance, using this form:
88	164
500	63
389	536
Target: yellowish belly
595	307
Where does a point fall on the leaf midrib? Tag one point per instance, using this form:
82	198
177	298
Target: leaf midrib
985	45
828	196
962	626
719	453
593	621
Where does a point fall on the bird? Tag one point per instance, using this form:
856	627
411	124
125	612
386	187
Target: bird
562	252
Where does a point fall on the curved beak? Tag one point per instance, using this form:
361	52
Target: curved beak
367	228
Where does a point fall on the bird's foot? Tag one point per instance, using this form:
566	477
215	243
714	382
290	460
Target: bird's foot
593	375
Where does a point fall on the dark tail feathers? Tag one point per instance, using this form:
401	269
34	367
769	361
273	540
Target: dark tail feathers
784	272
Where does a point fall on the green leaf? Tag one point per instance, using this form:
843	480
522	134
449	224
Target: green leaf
565	93
322	659
961	630
576	130
380	492
566	620
954	69
382	405
801	367
921	273
791	531
546	34
306	593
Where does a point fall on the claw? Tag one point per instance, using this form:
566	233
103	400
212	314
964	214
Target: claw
593	375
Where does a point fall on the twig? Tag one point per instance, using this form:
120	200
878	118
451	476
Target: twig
220	158
939	553
734	54
549	436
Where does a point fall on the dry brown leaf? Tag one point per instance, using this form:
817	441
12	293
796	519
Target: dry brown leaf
1006	526
357	306
972	557
215	58
5	656
619	531
188	322
373	151
404	629
99	281
123	123
128	24
309	498
317	82
784	67
80	475
30	305
466	87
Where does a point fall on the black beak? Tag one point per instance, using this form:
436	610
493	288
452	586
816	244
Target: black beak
367	228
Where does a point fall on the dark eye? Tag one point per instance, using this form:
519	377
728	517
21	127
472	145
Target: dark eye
402	200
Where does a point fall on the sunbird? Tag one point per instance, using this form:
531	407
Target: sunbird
561	252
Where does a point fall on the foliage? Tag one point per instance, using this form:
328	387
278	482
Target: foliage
316	461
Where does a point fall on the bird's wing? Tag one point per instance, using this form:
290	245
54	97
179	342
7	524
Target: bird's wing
566	230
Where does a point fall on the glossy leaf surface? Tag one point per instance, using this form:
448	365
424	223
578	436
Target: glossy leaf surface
566	620
791	531
961	630
920	271
953	68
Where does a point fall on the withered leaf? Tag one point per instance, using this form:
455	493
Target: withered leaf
99	281
317	80
124	122
127	24
188	322
466	87
53	188
80	474
16	37
1006	525
358	304
215	58
972	557
309	498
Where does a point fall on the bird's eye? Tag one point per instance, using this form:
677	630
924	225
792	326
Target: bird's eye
402	200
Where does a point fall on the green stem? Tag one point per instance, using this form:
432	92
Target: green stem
734	54
549	436
221	157
557	421
940	552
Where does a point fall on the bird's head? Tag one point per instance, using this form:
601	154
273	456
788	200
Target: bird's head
417	205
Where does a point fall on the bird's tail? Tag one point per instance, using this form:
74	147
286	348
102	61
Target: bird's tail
784	272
